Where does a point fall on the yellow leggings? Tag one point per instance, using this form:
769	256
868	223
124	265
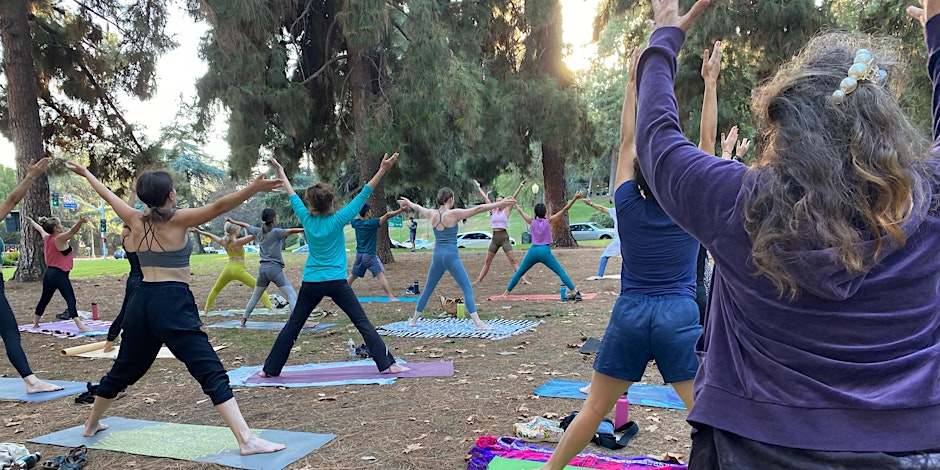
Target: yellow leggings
234	271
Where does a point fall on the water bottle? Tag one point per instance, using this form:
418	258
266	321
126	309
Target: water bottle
26	462
351	348
94	310
563	291
621	412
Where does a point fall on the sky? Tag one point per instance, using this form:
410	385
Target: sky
178	70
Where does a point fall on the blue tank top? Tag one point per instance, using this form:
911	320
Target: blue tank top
448	236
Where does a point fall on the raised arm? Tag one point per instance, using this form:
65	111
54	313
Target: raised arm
472	211
125	211
283	176
596	207
482	192
217	239
64	237
558	214
37	227
927	17
708	131
132	194
387	162
33	171
238	223
525	216
389	215
200	215
628	127
243	240
408	205
521	184
727	143
291	231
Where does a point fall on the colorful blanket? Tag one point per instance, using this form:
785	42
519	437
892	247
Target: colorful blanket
67	328
457	328
487	448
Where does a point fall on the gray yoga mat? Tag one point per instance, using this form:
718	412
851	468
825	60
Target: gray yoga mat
15	390
214	444
266	325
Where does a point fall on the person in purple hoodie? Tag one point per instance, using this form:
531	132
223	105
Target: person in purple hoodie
822	340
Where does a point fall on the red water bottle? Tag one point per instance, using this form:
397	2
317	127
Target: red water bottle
94	310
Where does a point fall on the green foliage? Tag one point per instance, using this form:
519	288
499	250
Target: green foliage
602	219
11	258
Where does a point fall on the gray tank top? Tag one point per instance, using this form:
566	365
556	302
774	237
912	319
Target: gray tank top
162	259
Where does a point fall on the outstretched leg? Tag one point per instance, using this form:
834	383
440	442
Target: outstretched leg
456	269
383	281
515	265
531	257
486	266
311	293
434	276
225	277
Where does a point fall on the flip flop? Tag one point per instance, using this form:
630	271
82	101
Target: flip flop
76	459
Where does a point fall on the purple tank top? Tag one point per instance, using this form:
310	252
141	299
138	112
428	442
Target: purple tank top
541	232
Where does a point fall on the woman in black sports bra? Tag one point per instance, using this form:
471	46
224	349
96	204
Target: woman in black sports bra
162	309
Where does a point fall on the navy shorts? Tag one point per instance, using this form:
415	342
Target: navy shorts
641	328
367	261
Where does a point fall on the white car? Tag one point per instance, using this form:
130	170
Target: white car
591	231
420	244
476	240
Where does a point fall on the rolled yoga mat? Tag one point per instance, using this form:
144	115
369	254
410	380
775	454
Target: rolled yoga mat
96	351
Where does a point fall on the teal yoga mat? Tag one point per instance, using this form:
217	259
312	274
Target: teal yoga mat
366	300
213	444
266	325
15	390
661	396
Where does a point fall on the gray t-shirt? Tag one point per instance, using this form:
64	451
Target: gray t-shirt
270	244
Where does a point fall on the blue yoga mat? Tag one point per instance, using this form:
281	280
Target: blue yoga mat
366	300
15	390
212	444
266	325
661	396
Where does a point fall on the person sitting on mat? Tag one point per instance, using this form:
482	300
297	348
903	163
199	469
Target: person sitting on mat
541	252
234	270
9	330
134	278
325	270
162	309
271	268
59	260
367	228
499	223
445	257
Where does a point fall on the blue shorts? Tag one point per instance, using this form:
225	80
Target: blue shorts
367	261
664	328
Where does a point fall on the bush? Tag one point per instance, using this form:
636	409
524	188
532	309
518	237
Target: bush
602	219
10	259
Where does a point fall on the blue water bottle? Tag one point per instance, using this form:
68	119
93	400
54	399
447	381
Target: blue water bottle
563	291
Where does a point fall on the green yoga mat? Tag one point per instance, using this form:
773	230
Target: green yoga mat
500	463
188	442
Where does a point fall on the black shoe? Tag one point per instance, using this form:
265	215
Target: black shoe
63	316
363	352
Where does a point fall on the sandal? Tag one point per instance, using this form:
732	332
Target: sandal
74	460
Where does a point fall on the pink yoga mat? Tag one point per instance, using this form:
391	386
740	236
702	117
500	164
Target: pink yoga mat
588	296
333	374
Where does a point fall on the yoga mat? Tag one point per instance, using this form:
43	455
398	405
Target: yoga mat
488	448
607	276
333	374
96	351
366	300
661	396
267	325
457	328
239	376
591	346
212	444
12	389
67	328
502	463
240	312
584	296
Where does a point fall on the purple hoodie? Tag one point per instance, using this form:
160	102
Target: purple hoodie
854	363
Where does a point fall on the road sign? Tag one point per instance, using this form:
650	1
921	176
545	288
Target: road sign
395	221
68	202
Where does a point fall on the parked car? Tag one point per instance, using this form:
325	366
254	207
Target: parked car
477	239
213	250
591	231
420	244
251	248
120	253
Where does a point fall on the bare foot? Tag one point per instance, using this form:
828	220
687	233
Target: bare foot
504	294
585	389
480	326
36	319
34	385
393	299
395	368
526	281
257	445
263	374
311	324
92	430
108	346
413	322
243	322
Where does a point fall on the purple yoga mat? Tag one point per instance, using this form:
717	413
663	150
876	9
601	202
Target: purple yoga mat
333	374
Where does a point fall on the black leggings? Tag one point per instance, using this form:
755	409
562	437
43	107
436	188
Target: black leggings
53	280
133	280
10	333
161	313
311	293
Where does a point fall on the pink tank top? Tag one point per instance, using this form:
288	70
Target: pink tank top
499	219
54	257
541	232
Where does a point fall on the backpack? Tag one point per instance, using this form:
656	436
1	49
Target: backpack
604	436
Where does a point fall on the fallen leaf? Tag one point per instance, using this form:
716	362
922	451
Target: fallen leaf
412	447
652	428
462	351
149	401
326	399
471	419
13	423
368	457
522	409
422	436
672	439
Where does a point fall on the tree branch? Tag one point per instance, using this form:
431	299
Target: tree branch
323	68
103	95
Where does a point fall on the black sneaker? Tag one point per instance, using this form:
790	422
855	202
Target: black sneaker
63	316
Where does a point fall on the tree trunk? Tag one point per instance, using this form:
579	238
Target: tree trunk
25	129
197	244
362	77
553	174
614	160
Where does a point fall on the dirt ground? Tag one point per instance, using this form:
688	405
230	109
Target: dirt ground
420	423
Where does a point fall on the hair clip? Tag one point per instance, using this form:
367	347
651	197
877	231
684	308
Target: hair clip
863	69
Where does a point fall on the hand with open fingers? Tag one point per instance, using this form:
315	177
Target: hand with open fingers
75	168
711	63
262	184
508	202
404	202
666	13
38	167
587	201
743	147
388	162
727	143
927	10
476	183
82	220
579	194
